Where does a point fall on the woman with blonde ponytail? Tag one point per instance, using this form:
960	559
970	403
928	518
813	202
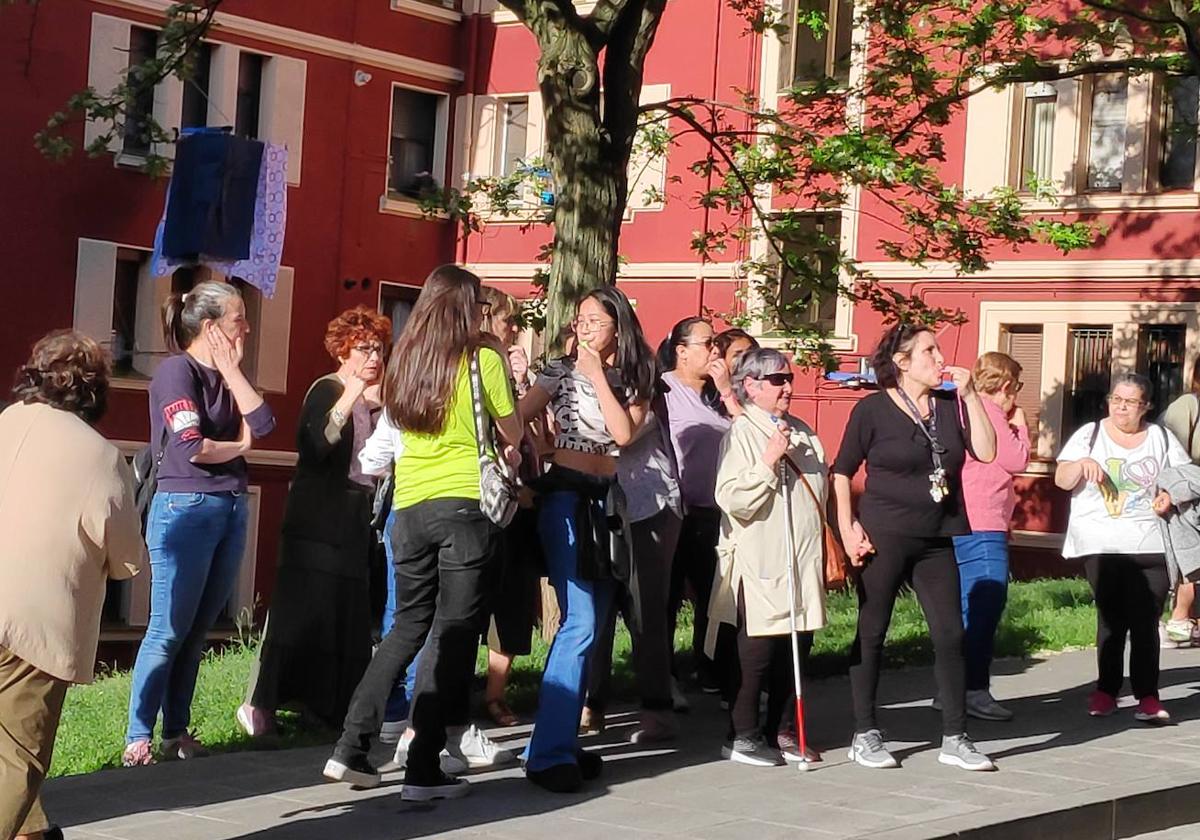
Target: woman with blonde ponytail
204	415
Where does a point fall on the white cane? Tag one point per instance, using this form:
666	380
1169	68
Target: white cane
789	542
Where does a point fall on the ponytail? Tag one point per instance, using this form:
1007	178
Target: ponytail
183	314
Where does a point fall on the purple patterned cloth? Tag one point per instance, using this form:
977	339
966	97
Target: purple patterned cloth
261	267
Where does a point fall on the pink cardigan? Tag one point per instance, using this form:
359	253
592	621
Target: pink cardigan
988	488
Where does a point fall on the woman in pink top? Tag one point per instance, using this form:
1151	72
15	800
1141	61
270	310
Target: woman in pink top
983	554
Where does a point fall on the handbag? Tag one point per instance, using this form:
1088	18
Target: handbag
497	480
832	554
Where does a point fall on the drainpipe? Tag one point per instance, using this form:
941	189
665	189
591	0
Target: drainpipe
720	8
470	84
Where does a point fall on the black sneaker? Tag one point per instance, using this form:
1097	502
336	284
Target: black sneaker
440	786
561	778
752	751
590	765
356	771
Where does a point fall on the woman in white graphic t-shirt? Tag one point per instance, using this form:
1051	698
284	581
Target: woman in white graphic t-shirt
1110	467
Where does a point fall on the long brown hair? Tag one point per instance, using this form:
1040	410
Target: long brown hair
443	327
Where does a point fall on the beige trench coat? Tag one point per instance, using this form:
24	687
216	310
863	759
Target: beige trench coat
751	550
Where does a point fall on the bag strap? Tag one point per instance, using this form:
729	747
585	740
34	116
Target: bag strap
811	493
1195	423
482	436
1095	434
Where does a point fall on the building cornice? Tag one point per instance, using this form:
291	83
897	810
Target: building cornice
1037	270
682	272
244	27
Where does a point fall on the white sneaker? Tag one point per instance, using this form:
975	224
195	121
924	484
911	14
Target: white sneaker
1180	631
392	731
476	750
451	765
959	751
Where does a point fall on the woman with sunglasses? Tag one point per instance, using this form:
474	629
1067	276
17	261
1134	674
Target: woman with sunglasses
318	636
692	365
599	397
1111	468
913	438
751	590
982	555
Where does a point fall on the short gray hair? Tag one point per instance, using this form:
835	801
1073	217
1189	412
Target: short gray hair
756	363
1142	383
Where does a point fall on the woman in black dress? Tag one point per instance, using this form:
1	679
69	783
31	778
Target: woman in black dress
913	438
317	641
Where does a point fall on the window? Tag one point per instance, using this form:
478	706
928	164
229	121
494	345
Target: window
143	44
396	302
815	57
1089	373
131	264
1160	357
1037	134
811	243
1181	101
1106	134
1024	344
249	94
195	89
514	114
411	154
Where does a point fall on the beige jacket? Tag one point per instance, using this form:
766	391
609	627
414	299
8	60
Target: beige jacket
67	524
751	550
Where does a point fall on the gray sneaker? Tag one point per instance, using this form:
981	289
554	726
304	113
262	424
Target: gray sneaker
981	704
752	751
868	750
959	751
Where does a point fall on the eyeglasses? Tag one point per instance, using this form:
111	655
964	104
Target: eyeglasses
369	349
1122	401
777	379
591	323
701	342
1017	386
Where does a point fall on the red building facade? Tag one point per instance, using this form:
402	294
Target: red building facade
375	98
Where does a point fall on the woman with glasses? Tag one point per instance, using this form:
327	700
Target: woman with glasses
318	635
692	364
1111	467
443	542
599	397
751	591
982	555
913	438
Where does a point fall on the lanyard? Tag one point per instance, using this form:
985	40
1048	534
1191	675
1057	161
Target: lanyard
938	487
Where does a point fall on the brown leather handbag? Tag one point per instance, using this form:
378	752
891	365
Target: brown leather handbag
833	555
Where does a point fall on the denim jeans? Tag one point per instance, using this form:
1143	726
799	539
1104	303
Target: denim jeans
397	703
196	543
983	576
444	551
581	602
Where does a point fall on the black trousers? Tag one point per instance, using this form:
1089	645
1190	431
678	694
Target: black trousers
763	662
654	541
443	556
928	564
695	563
1130	591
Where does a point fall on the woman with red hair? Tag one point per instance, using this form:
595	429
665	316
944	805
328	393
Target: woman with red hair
318	636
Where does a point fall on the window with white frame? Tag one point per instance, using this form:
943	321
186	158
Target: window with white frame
413	165
1106	132
513	134
118	302
1177	153
259	95
811	246
1037	134
812	56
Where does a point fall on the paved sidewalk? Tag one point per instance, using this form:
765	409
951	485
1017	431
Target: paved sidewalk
1053	760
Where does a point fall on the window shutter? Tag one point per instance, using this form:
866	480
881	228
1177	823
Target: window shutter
274	331
534	140
149	344
648	173
108	62
168	111
222	86
95	282
988	141
281	119
483	152
1025	346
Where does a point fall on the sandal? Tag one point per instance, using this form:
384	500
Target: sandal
500	714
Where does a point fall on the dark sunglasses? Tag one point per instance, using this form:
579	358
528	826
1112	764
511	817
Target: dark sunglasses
777	379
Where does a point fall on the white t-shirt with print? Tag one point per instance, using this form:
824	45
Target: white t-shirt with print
1119	519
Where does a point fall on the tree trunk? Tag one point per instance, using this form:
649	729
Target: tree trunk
589	169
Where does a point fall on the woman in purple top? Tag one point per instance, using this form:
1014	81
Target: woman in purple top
692	362
204	415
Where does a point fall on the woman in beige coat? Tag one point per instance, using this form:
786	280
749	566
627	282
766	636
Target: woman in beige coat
750	587
69	524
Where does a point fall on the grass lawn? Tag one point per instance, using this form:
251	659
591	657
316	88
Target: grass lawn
1046	615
